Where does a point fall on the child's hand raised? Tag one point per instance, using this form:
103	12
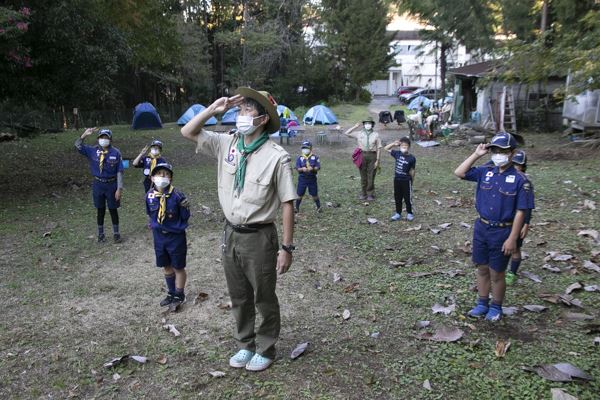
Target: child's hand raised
481	150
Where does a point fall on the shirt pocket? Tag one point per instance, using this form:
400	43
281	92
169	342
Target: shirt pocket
508	190
486	185
153	207
256	187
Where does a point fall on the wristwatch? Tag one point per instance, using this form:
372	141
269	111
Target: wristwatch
290	248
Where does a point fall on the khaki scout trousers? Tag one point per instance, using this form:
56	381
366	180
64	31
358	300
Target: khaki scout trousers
250	261
367	172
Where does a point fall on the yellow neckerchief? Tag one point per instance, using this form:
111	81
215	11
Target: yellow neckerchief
163	204
306	159
153	162
101	162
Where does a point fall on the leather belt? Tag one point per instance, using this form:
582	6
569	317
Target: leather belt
107	180
496	223
247	228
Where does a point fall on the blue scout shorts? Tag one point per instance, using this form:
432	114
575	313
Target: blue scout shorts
311	184
170	249
487	246
103	194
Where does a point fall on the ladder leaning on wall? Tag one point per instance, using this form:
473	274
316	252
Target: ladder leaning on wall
508	118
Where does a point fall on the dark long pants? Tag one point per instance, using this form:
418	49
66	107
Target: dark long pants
403	191
367	172
250	261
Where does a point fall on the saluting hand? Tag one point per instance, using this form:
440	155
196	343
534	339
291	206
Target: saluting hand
223	104
88	132
481	150
145	149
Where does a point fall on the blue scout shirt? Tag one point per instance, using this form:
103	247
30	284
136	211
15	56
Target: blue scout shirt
112	161
176	215
500	195
313	161
147	162
532	204
404	163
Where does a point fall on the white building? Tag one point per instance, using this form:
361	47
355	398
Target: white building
416	60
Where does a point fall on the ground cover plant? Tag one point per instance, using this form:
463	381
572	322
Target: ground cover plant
356	290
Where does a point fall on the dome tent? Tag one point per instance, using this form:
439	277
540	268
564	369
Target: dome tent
145	116
192	112
319	115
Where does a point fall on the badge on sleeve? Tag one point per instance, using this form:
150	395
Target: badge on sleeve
527	186
510	179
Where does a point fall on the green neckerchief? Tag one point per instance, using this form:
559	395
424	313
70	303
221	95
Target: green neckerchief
245	151
368	134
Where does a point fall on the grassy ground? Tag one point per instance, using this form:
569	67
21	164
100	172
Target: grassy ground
70	305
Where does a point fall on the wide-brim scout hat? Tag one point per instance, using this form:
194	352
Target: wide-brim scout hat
520	157
503	140
157	143
306	145
105	132
165	166
267	101
370	120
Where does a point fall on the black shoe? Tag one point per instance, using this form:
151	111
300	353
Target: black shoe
101	238
117	237
167	300
178	299
319	210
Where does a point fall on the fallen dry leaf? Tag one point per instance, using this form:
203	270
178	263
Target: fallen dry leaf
509	310
116	377
162	360
562	257
200	297
353	287
592	288
597	340
337	277
559	394
396	264
427	384
216	374
116	361
535	308
590	204
171	328
299	350
571	316
372	221
346	314
531	276
422	324
551	268
501	348
465	225
140	359
414	228
443	334
591	266
565	299
592	233
225	306
438	308
572	287
435	231
446	225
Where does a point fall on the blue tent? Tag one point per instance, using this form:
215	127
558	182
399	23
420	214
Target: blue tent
230	116
145	116
281	108
419	101
319	115
192	112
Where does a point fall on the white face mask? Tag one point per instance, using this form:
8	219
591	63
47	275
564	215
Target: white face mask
306	151
104	142
500	160
154	151
161	182
368	126
404	149
245	124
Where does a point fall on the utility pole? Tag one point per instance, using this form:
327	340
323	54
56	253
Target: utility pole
544	22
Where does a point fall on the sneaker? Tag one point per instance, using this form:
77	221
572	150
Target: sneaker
396	217
510	278
241	358
480	310
410	217
101	238
178	299
166	301
117	238
258	363
494	314
362	196
370	198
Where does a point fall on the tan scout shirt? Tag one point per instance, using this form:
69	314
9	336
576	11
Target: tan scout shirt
361	137
268	181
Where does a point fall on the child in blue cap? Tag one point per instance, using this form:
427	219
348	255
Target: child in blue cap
520	162
106	167
503	197
149	157
308	166
169	213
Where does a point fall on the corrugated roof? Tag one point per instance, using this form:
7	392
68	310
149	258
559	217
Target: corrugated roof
406	35
476	70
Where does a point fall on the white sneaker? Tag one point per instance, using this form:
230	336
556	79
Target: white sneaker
410	217
258	363
240	359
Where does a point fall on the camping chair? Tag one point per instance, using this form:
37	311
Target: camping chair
336	135
321	137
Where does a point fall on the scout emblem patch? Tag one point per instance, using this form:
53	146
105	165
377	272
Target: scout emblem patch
510	179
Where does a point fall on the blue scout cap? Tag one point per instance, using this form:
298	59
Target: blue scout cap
157	143
504	140
306	144
520	157
105	132
160	166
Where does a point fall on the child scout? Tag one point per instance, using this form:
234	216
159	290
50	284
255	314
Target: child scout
106	167
254	178
502	200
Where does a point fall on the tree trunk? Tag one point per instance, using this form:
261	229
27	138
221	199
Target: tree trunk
544	22
443	66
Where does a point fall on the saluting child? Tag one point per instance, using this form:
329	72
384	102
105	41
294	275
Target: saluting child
106	167
503	197
169	213
520	162
148	160
308	166
404	175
